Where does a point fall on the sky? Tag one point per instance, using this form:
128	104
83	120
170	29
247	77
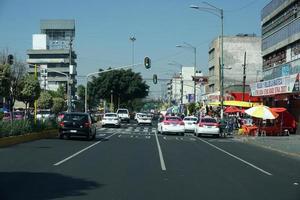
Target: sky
103	29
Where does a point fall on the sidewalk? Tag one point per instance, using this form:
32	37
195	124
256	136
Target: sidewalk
289	145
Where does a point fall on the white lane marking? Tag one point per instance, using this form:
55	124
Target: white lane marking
145	130
79	152
102	134
161	158
153	130
247	163
148	137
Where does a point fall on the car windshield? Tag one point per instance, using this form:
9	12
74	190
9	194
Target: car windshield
208	120
110	115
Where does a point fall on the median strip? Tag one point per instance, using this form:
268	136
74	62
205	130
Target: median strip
81	151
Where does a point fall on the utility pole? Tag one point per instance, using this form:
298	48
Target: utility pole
244	76
70	77
112	101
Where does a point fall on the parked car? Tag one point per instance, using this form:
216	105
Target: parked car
77	124
170	124
123	114
111	119
190	123
44	115
207	126
144	119
18	115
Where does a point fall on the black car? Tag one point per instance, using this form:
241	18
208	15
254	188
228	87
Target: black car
77	124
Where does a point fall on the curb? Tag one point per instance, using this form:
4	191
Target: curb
13	140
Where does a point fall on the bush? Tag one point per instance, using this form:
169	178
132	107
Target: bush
20	127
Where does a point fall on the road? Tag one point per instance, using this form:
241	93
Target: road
134	162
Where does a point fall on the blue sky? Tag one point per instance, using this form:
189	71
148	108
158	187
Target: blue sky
103	28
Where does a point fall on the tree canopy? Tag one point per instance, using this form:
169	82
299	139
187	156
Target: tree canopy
123	85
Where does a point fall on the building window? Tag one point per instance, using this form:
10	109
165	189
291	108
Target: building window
212	71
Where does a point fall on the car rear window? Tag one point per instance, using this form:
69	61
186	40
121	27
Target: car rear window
110	115
122	111
75	117
173	119
208	120
190	119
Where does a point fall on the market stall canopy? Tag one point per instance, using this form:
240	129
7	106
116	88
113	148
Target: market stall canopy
232	109
262	112
244	104
278	110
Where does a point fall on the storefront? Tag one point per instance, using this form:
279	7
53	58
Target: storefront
280	92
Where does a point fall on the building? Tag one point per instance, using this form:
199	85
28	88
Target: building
280	20
187	85
234	52
53	54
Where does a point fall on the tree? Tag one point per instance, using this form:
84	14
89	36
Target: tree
29	90
45	101
4	80
58	105
123	85
192	108
12	78
81	92
59	93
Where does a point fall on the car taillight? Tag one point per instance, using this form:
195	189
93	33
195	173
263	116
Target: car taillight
200	125
87	125
61	124
166	123
181	124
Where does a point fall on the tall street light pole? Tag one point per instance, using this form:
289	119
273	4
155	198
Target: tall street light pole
132	39
219	13
187	45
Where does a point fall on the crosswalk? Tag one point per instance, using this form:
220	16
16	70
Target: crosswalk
133	131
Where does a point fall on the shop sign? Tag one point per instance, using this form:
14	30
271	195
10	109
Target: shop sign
285	84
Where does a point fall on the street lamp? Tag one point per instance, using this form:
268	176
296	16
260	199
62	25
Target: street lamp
181	79
132	39
219	13
187	45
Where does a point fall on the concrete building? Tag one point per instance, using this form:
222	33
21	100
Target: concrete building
174	86
234	50
280	87
52	52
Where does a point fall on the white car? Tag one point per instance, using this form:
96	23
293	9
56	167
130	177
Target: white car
123	114
170	124
207	126
111	119
144	119
190	123
137	115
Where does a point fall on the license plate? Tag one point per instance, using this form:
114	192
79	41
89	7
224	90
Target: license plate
189	123
73	131
174	124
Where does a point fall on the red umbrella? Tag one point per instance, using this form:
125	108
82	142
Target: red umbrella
232	109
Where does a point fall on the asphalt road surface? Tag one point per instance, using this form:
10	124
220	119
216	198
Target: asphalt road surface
134	163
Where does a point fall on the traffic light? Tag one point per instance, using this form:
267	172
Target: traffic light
147	62
154	78
10	59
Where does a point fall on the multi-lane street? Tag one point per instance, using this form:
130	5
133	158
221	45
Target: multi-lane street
133	162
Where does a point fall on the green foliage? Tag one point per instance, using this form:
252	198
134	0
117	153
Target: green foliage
58	105
4	80
1	115
20	127
45	101
81	92
192	108
29	89
124	84
59	93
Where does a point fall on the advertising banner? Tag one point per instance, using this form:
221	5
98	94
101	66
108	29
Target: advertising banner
281	85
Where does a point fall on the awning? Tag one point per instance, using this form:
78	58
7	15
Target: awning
244	104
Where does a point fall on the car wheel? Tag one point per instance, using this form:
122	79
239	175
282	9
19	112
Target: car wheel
88	137
182	134
61	136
